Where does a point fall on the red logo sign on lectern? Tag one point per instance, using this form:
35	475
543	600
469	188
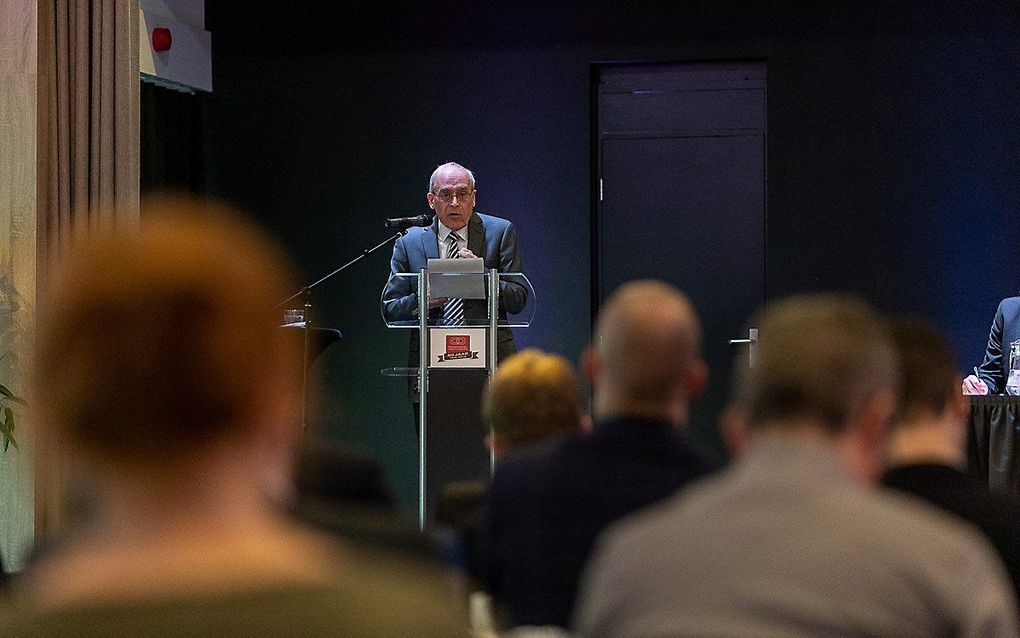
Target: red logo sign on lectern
457	347
457	343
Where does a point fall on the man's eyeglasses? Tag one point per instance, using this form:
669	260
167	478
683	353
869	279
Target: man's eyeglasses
447	196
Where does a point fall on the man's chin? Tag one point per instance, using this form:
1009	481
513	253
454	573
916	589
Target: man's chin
456	223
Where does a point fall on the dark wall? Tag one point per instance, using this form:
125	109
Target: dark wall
892	154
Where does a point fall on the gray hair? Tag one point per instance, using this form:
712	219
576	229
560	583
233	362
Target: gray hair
448	165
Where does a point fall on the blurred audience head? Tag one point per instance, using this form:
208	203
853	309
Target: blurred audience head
342	490
824	365
931	415
162	347
928	377
331	471
645	359
532	396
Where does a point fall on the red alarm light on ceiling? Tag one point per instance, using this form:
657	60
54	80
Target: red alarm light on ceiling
161	39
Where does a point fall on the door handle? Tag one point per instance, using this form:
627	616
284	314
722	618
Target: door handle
752	344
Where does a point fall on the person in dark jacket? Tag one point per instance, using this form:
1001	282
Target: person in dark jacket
547	506
927	453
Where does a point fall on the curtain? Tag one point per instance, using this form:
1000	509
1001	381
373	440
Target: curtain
88	157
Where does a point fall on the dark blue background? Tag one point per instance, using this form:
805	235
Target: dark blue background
893	146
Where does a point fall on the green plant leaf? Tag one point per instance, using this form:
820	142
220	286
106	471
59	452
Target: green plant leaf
7	428
10	396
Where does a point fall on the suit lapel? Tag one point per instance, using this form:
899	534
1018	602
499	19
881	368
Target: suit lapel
430	240
476	236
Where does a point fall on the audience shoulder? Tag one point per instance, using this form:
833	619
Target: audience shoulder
960	560
605	590
930	527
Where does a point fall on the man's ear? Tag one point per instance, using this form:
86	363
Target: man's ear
958	408
695	379
875	418
736	433
958	402
871	434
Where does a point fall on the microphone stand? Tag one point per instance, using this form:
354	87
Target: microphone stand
306	293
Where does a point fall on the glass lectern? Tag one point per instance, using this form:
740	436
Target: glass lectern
449	362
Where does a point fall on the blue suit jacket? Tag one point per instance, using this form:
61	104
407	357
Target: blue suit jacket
492	238
546	506
1005	330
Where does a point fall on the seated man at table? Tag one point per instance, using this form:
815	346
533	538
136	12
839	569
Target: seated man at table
927	451
992	374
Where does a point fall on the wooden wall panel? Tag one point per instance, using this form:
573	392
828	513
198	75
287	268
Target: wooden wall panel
18	103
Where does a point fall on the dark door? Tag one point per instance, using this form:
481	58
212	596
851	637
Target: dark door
681	163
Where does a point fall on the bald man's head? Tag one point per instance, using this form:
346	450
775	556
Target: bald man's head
645	358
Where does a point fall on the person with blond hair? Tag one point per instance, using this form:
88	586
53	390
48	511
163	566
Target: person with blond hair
531	399
532	396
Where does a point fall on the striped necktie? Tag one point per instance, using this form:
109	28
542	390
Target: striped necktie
453	311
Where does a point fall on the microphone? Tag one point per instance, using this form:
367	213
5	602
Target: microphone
404	223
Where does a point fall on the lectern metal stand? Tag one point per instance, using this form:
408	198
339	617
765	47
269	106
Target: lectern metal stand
423	387
455	451
424	354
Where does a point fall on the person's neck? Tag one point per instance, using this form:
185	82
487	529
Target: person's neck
212	530
195	504
925	440
218	490
609	405
845	450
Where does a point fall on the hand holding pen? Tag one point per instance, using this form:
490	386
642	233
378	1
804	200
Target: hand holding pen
973	384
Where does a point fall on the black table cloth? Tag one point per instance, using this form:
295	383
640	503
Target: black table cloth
993	442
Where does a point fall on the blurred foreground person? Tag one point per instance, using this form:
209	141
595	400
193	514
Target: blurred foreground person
927	453
546	506
793	539
342	490
164	374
